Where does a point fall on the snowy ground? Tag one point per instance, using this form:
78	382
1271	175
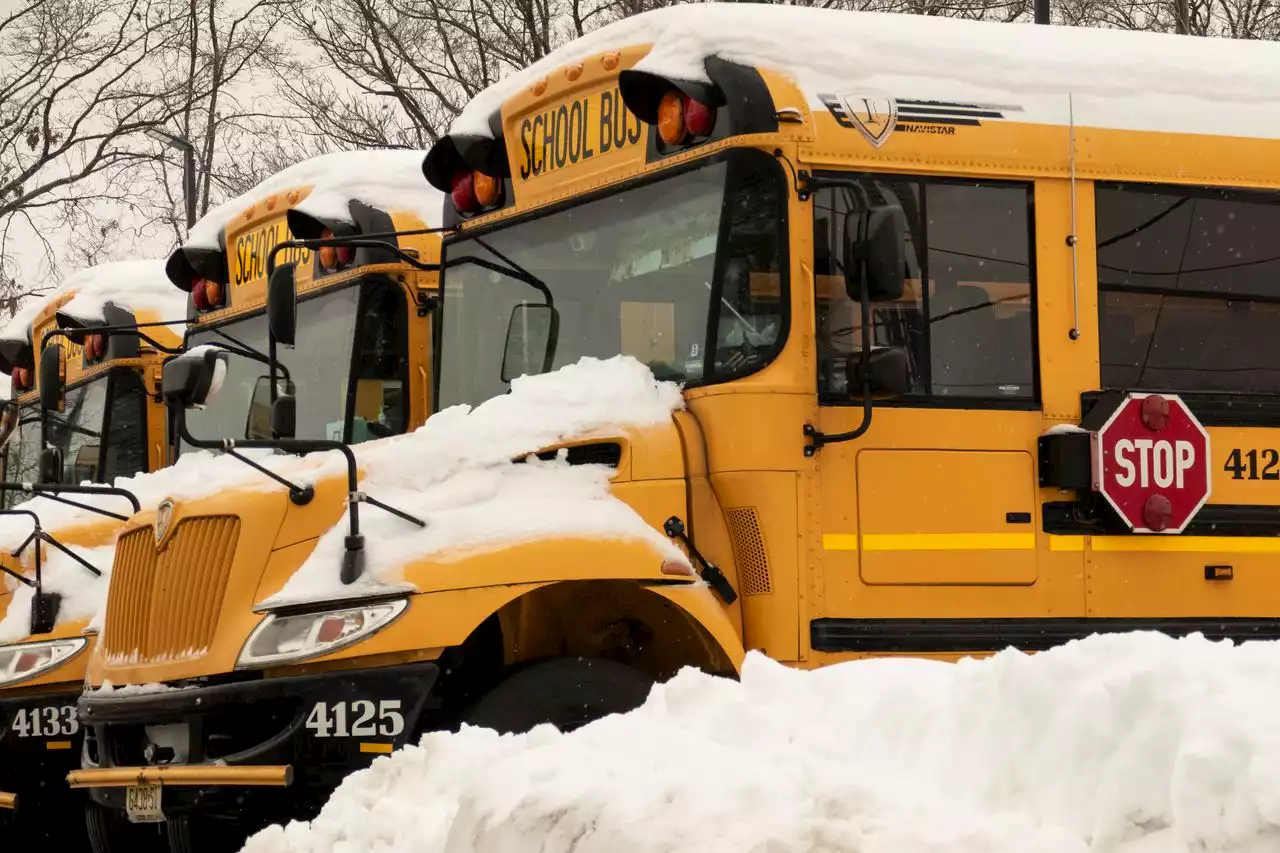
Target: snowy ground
1135	743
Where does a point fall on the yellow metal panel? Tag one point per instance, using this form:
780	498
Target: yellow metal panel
939	516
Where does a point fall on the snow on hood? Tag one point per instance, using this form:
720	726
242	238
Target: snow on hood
6	386
388	180
1132	743
138	285
1119	79
455	471
84	596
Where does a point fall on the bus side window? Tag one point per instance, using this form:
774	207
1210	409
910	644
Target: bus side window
1188	282
965	318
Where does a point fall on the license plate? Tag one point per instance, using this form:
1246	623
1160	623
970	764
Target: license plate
142	802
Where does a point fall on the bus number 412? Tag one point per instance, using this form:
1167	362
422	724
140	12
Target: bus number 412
331	719
1244	465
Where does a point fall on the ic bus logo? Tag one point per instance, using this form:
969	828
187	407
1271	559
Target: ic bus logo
872	115
164	515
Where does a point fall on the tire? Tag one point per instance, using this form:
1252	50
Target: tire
566	692
196	835
110	832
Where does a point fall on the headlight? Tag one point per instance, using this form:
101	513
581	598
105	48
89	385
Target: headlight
27	660
284	639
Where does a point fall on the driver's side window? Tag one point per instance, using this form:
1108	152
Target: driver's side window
377	402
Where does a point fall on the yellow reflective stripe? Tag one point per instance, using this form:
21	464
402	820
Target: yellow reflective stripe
931	542
840	541
1208	544
1066	543
375	747
57	744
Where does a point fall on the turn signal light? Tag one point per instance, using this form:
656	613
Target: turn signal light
488	189
21	378
474	192
334	258
199	295
95	347
682	119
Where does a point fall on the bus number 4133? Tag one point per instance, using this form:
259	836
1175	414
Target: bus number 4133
46	722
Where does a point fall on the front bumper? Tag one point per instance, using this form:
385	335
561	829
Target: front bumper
40	742
291	739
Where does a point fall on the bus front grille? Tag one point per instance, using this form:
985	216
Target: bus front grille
164	604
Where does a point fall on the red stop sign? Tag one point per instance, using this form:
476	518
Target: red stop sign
1151	463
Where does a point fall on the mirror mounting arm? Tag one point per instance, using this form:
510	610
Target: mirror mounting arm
44	606
817	440
54	492
353	558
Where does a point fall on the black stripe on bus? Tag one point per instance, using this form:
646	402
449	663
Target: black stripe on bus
922	636
933	111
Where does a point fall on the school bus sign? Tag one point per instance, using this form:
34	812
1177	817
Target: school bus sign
1151	463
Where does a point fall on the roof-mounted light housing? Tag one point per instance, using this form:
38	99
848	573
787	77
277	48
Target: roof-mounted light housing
472	170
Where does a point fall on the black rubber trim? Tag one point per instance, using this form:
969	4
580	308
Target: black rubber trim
1244	410
149	707
1098	519
1027	634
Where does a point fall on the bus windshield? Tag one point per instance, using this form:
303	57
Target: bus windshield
320	366
24	454
77	429
634	273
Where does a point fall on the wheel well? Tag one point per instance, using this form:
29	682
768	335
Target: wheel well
622	621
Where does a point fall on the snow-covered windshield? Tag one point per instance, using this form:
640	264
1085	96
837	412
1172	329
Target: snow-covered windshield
320	366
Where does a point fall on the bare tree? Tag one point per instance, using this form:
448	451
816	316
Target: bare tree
78	84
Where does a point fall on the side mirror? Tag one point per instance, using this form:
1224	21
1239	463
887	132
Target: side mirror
875	253
887	368
532	333
44	612
192	379
282	304
52	381
267	420
50	466
284	416
9	415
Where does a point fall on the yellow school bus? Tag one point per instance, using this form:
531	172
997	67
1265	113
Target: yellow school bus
104	422
187	573
894	305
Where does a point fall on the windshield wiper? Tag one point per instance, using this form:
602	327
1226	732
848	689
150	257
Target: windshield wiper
521	274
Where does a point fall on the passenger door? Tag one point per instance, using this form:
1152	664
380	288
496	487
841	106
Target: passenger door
933	512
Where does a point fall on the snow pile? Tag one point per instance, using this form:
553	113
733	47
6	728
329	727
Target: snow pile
390	180
1120	79
6	386
1136	743
457	473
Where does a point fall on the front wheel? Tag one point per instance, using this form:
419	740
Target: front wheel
110	832
566	692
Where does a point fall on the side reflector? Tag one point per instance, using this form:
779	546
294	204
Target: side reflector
677	567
